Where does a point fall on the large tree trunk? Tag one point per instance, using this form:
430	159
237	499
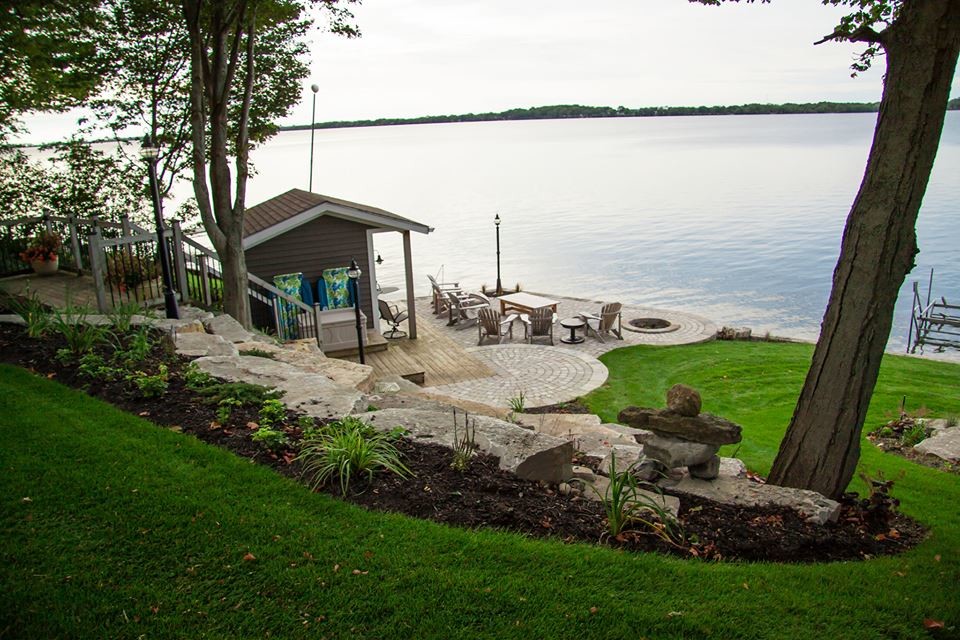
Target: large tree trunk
822	445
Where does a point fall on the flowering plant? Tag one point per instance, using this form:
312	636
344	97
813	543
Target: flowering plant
44	247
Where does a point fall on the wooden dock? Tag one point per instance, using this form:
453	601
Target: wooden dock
432	359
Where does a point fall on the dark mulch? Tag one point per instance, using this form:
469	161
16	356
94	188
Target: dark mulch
893	445
485	496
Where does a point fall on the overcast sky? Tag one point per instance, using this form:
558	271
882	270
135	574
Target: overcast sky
428	57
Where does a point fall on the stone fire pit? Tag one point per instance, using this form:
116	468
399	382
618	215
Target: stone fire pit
650	325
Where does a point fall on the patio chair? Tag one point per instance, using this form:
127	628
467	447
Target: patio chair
460	304
539	323
394	316
491	324
607	322
440	290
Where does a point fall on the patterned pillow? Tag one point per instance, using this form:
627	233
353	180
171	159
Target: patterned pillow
338	288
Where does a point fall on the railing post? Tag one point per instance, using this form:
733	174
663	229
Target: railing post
125	225
180	261
276	317
97	269
204	280
75	243
316	325
47	225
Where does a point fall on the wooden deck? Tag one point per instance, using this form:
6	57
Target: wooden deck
56	290
432	359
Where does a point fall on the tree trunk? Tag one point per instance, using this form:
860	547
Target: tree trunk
236	300
822	445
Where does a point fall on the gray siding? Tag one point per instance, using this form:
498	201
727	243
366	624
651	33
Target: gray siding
324	243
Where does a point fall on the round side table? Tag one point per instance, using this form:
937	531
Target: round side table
573	324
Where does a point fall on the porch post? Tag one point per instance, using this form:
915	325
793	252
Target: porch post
98	269
411	300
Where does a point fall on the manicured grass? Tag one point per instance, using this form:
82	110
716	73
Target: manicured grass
125	517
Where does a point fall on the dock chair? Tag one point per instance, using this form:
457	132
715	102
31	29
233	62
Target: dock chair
460	305
607	322
539	324
440	290
394	316
491	324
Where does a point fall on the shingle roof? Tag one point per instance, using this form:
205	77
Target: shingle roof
296	201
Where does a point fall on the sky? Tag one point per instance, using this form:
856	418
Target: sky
431	57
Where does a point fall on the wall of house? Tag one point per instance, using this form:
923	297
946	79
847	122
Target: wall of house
324	243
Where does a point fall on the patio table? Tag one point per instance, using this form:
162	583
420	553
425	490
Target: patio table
525	303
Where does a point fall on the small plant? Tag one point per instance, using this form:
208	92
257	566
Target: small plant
121	316
151	386
81	336
225	409
272	412
94	367
518	402
346	448
306	423
246	393
34	313
880	506
196	379
272	439
953	421
139	344
43	248
259	353
914	435
463	445
623	503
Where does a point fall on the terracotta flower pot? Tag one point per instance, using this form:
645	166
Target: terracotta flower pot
46	267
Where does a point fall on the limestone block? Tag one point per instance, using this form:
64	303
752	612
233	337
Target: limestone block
684	400
528	454
598	489
740	491
226	326
314	394
626	456
674	452
203	344
705	427
706	470
945	444
733	468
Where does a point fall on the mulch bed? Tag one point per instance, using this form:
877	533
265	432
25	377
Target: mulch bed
485	496
894	446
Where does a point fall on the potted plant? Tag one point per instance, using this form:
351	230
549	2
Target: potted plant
42	253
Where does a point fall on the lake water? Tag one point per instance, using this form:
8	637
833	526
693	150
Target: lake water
736	218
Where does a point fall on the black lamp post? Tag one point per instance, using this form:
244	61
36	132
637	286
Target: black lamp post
149	152
313	119
354	274
496	223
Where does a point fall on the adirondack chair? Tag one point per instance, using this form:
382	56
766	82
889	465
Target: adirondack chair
459	305
394	316
539	324
491	324
440	290
607	322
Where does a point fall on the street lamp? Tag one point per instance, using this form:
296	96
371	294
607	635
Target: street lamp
313	118
149	151
354	274
496	222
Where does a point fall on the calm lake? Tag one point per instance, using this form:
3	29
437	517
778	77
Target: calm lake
736	218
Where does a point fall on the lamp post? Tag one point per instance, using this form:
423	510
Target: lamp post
313	118
149	152
496	223
354	274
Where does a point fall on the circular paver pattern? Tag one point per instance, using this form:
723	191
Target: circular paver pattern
545	375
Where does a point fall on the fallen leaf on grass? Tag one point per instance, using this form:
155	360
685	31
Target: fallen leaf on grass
155	609
746	586
252	425
936	558
357	572
368	554
249	557
674	614
214	425
144	413
308	555
593	610
930	623
28	499
336	568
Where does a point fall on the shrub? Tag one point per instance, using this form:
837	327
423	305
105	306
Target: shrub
245	392
272	439
128	270
151	386
272	412
346	448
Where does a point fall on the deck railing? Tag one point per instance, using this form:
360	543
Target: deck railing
123	260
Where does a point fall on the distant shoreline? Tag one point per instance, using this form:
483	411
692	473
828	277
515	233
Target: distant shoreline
561	112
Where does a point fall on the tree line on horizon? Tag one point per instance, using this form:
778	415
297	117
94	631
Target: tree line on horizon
561	111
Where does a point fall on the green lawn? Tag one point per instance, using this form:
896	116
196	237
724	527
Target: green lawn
135	531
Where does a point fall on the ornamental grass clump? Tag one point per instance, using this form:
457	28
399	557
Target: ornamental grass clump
36	316
346	448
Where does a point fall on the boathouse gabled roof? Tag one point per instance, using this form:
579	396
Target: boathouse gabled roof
297	207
